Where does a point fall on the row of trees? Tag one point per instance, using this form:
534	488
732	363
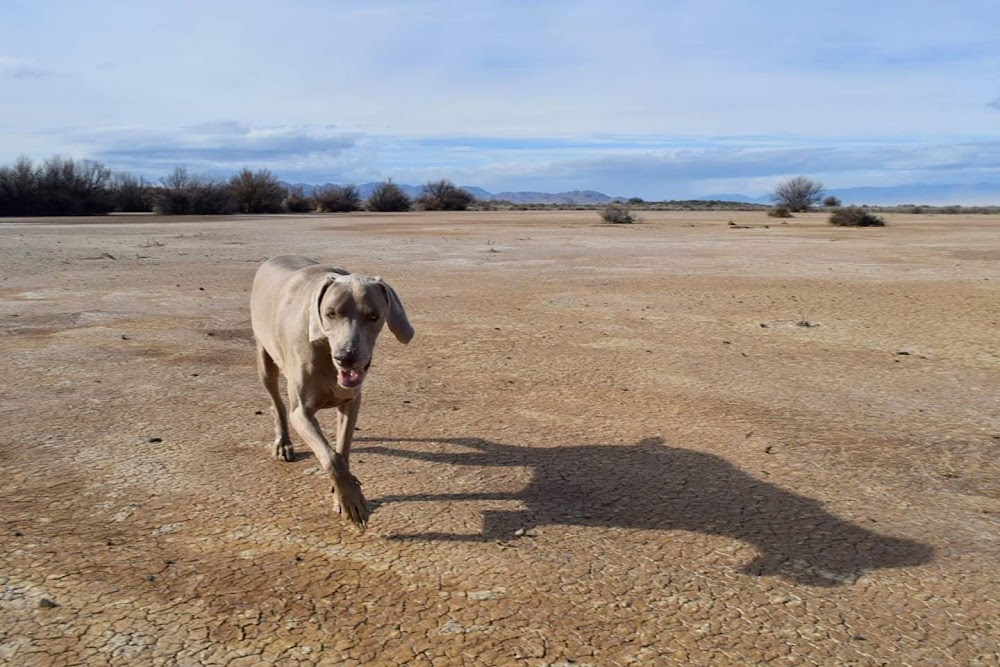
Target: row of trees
61	186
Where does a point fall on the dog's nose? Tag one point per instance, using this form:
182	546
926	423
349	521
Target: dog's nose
346	359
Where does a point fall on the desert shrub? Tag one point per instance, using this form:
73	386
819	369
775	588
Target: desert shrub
131	194
779	211
184	194
60	186
338	199
854	216
296	201
617	213
636	201
257	191
444	195
18	188
831	202
388	197
799	194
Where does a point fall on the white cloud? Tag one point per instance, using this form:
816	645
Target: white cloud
643	92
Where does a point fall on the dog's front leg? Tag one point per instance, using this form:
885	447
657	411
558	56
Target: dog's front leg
347	489
348	497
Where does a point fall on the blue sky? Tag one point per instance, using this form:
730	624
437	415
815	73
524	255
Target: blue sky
637	98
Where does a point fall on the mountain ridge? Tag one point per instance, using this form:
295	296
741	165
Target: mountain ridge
977	194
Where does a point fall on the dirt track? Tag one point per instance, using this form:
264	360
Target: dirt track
667	443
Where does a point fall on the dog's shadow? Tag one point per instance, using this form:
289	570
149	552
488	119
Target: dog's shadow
652	486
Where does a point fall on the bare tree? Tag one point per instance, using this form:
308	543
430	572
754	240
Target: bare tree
444	195
18	187
257	191
296	200
131	193
831	202
387	196
338	199
184	194
798	194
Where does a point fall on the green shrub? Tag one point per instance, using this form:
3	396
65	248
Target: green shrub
854	216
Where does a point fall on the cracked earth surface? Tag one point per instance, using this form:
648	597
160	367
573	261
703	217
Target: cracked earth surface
658	444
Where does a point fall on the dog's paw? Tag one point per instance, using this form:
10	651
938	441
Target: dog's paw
283	450
350	501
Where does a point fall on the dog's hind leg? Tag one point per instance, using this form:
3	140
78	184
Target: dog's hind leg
268	372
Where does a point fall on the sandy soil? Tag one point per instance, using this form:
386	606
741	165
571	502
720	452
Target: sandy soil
677	442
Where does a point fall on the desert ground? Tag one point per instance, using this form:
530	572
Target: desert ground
680	442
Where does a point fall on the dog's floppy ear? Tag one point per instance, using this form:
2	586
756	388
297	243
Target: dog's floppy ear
316	332
396	318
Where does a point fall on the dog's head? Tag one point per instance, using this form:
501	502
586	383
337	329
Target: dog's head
349	311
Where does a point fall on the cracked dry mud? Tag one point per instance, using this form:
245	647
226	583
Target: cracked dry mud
607	445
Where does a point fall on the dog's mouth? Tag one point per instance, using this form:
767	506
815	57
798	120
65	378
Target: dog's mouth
351	377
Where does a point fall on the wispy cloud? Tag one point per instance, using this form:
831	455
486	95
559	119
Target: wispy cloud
14	68
220	146
642	97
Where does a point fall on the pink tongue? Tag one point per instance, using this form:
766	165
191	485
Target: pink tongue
351	377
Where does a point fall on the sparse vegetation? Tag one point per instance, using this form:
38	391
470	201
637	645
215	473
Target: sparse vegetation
296	201
257	191
444	195
60	186
338	199
184	194
855	216
388	197
799	194
66	187
617	213
131	194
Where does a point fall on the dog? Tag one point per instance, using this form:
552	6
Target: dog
318	325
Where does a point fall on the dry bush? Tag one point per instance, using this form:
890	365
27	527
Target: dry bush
338	199
854	216
388	197
257	191
444	195
617	213
831	202
184	194
131	194
799	194
296	201
779	211
60	186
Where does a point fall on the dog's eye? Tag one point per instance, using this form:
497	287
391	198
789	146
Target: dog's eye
373	317
332	314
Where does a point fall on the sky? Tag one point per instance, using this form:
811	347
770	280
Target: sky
655	99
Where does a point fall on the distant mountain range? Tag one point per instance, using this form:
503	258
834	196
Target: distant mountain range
981	194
